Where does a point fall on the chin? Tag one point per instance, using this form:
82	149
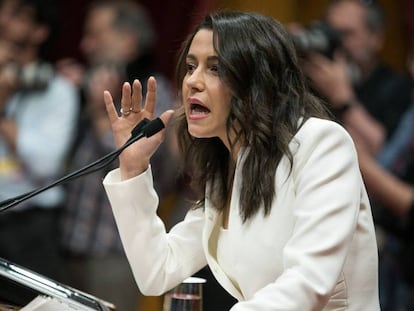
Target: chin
196	133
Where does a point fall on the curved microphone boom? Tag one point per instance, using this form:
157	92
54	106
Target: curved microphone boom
145	128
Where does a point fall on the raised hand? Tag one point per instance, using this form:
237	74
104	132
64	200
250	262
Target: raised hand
330	77
135	159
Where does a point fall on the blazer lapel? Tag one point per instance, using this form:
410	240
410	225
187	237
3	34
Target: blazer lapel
210	238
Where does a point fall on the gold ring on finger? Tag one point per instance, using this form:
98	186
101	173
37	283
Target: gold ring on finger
125	113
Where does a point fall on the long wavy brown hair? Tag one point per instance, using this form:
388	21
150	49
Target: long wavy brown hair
258	62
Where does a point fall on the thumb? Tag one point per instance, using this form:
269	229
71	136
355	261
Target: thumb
166	117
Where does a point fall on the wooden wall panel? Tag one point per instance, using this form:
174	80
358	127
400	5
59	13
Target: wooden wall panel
283	10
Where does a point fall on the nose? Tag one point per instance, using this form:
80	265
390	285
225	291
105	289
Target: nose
195	80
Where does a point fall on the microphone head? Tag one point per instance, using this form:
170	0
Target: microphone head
153	127
137	130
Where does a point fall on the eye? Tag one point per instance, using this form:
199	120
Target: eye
214	68
190	67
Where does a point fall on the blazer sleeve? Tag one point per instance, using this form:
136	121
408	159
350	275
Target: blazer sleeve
328	189
159	260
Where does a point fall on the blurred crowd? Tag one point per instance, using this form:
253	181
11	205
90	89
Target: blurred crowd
53	121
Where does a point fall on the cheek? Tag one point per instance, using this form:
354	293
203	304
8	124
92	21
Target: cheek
184	87
226	102
182	99
225	109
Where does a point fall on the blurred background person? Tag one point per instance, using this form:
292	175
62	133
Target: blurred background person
38	110
121	34
355	75
117	42
94	258
390	184
390	181
369	99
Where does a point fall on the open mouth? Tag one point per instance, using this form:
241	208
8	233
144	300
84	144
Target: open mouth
197	109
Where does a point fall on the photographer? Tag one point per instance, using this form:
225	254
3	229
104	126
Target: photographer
37	120
369	99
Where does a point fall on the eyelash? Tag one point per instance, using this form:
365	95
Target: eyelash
190	68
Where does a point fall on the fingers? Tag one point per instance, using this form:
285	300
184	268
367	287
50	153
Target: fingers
151	97
136	96
110	107
166	117
131	99
319	59
340	59
126	99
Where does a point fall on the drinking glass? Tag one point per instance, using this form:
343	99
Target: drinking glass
187	296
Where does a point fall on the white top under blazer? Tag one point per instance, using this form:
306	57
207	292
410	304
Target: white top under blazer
316	250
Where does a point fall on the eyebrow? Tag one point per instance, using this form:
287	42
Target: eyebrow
209	58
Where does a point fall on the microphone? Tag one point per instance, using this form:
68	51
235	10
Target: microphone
145	128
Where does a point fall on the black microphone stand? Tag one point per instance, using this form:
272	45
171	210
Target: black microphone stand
145	128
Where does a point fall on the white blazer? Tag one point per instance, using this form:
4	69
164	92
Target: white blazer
316	250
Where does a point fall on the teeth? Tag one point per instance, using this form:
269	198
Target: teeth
194	111
198	109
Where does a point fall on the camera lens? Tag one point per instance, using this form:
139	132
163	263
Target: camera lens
317	37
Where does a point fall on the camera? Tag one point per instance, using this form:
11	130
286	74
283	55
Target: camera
31	77
317	37
35	76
